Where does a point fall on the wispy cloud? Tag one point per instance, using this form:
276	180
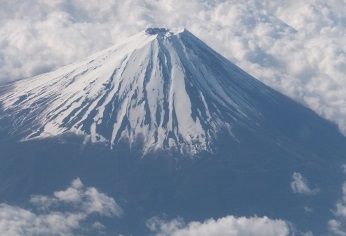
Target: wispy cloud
299	184
61	214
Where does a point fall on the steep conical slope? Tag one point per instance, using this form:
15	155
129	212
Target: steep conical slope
164	89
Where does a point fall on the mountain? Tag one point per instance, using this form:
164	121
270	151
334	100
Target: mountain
164	89
167	126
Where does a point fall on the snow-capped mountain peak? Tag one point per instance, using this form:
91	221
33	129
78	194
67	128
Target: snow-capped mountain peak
162	88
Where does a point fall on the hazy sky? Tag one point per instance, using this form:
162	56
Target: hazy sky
297	47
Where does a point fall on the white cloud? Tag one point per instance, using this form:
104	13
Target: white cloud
297	47
100	203
229	226
341	206
69	195
299	185
18	221
77	184
98	225
46	218
309	233
338	226
335	227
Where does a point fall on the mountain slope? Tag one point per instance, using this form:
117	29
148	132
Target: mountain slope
164	89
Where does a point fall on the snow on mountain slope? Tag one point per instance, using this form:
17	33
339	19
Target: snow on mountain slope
162	88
